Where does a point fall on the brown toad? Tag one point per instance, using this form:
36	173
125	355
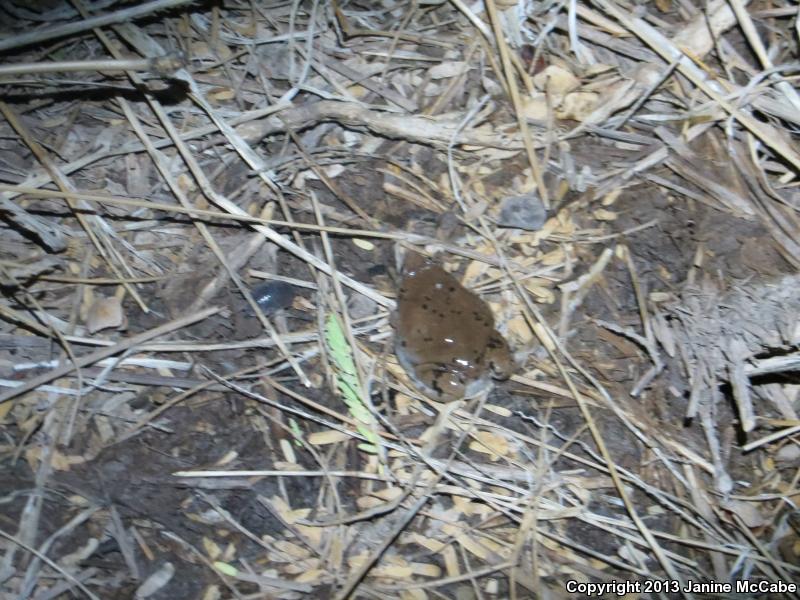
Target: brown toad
445	339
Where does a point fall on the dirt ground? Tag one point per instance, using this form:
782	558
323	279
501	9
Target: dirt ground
162	439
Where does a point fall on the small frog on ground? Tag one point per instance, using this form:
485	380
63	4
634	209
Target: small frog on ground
445	336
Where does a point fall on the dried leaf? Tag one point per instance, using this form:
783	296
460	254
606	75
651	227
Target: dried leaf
577	106
156	581
747	511
212	548
556	81
364	244
448	69
329	436
601	214
311	576
104	313
535	108
490	443
293	550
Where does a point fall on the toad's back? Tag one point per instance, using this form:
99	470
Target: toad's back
439	321
445	337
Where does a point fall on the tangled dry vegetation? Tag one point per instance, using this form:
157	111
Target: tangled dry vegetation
166	436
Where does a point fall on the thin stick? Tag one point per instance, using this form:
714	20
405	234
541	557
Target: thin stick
106	352
49	563
35	37
522	122
237	214
161	64
667	50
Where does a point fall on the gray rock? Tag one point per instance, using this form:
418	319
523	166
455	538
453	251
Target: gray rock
522	212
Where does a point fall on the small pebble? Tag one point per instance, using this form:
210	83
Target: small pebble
271	296
448	226
522	212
